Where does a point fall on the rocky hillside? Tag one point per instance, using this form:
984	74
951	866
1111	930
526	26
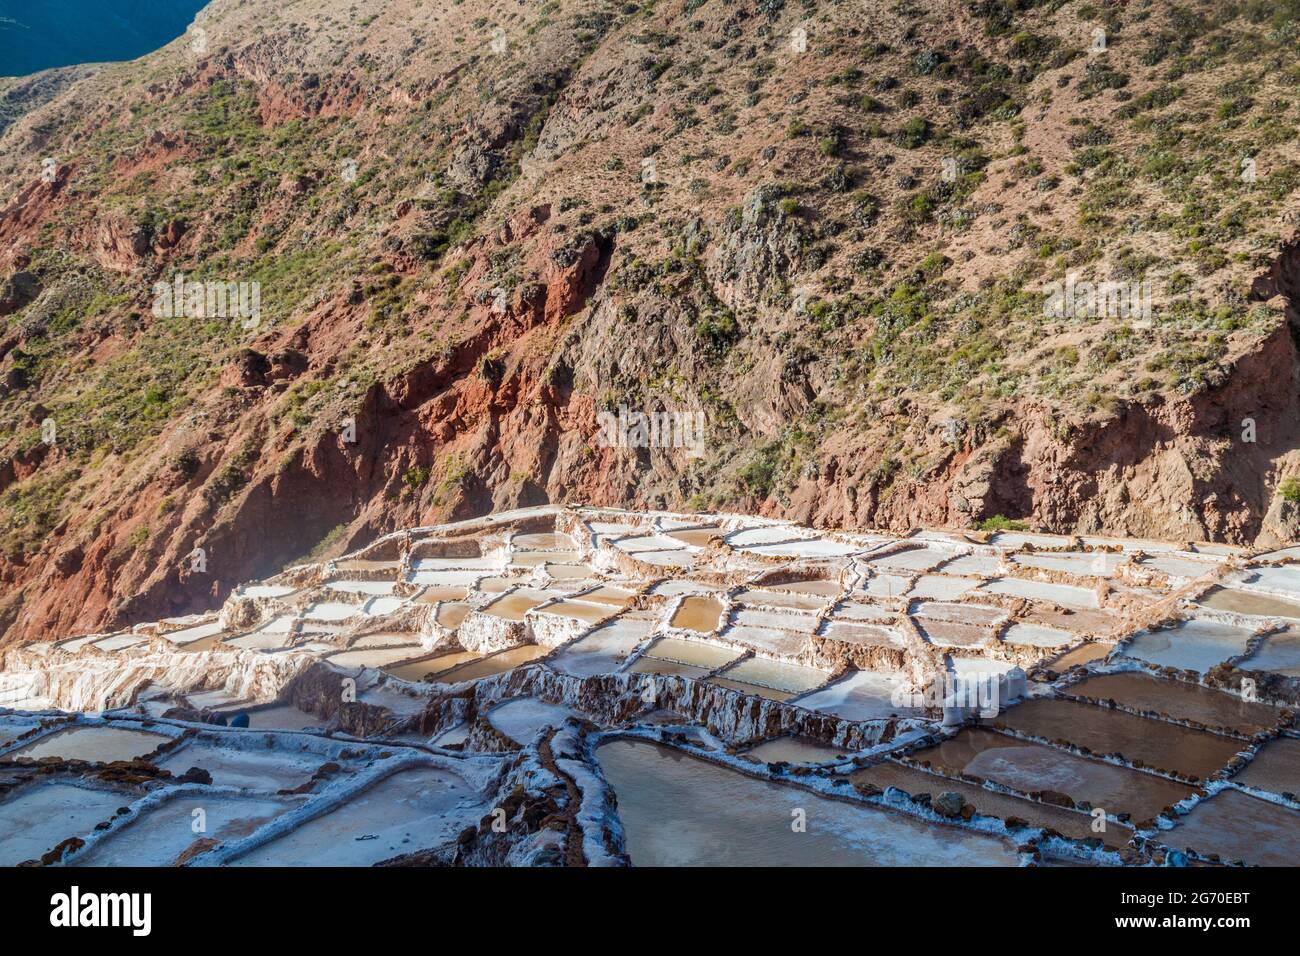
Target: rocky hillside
464	231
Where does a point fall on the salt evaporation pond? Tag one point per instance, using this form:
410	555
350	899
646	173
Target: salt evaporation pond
653	665
1190	645
409	810
283	717
698	653
1277	652
1035	635
361	587
1094	563
38	817
1065	594
1276	767
940	587
696	537
418	670
812	548
1105	731
910	559
1248	602
698	613
794	600
753	690
795	751
97	744
374	656
1084	654
262	769
823	587
544	541
793	678
678	810
860	695
522	718
1213	708
189	635
604	649
914	782
1030	768
587	612
1236	826
160	836
497	663
513	606
12	727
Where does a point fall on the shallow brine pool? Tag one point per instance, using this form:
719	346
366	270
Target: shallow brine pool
678	810
409	810
167	835
99	744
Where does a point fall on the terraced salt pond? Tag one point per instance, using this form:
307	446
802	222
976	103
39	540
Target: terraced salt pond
792	678
437	593
282	717
760	626
861	695
36	817
604	649
1190	645
654	665
406	811
383	657
1084	654
1065	594
588	612
419	670
543	541
13	727
522	718
1279	653
497	663
1034	635
1235	826
1030	768
1276	768
1104	731
513	606
914	782
97	744
189	635
797	751
678	810
161	836
696	537
1210	708
697	613
698	653
782	598
752	690
262	769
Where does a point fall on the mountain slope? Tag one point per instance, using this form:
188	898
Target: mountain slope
829	228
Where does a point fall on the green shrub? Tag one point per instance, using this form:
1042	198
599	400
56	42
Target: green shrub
914	133
1001	523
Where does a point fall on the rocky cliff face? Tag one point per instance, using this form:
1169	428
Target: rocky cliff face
474	230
